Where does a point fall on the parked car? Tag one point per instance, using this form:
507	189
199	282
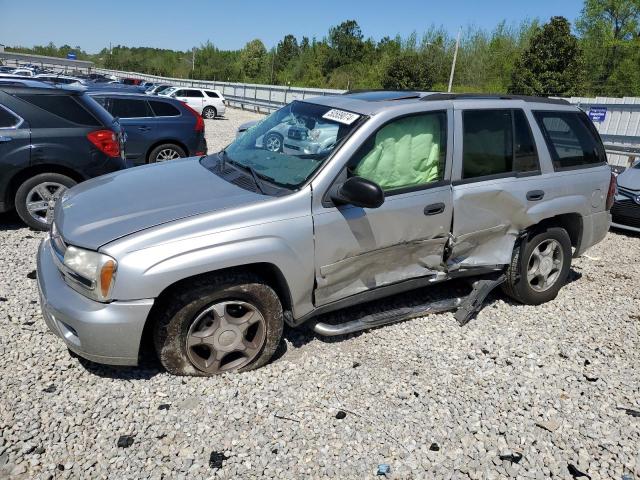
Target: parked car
211	256
158	129
209	103
131	81
156	89
23	72
626	209
50	139
59	79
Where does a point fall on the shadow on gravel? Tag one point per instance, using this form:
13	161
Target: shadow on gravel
10	221
149	367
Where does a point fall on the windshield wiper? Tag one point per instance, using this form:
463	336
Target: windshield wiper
246	168
256	178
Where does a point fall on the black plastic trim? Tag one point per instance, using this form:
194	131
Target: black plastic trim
393	289
483	96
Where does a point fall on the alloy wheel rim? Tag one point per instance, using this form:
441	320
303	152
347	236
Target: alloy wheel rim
167	154
273	143
226	336
209	113
41	201
544	265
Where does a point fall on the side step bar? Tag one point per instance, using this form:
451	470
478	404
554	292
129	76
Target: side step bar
466	308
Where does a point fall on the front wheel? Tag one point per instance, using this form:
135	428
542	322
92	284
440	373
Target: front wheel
217	325
539	267
36	198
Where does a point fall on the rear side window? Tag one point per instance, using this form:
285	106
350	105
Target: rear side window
497	142
164	109
571	140
128	108
64	106
211	94
193	93
7	119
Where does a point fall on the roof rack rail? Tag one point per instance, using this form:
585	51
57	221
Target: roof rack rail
483	96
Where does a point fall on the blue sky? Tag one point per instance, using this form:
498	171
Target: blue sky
182	24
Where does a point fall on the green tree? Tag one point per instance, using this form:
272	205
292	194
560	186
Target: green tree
609	31
408	71
552	64
346	45
252	59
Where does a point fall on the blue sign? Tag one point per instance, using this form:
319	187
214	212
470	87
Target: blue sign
71	55
598	114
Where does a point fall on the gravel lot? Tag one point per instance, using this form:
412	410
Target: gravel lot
527	392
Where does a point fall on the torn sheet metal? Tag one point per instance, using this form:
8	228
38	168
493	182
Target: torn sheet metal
486	225
379	268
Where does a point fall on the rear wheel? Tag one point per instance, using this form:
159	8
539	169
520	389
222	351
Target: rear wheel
209	113
217	325
539	267
36	198
166	152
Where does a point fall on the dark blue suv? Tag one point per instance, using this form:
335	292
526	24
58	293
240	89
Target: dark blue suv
157	129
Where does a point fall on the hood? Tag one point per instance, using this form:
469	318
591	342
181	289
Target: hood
101	210
630	179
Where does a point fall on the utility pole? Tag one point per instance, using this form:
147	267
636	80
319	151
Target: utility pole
455	59
193	59
273	59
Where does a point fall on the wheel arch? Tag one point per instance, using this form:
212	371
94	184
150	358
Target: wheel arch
573	223
23	175
270	273
172	141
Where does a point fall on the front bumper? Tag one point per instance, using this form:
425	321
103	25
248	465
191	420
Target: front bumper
107	333
626	213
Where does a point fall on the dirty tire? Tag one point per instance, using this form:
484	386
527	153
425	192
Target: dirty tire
164	149
177	312
517	287
23	192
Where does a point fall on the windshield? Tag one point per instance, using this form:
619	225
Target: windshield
290	144
166	91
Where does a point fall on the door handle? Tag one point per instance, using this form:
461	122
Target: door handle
535	195
144	129
434	209
5	139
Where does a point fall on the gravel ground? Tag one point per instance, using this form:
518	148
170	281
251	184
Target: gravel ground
526	392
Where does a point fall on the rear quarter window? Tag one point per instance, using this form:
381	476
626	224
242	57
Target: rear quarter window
164	109
211	94
63	106
572	142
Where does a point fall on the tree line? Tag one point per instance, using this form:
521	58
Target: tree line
598	55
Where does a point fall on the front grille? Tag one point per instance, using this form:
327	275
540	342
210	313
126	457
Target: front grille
626	212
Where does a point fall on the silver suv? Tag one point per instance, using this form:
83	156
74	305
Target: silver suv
209	257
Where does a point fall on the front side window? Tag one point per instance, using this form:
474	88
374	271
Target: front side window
193	93
7	119
289	145
571	140
406	153
497	142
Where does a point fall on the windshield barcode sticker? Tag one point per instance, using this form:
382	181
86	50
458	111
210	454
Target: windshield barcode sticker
341	116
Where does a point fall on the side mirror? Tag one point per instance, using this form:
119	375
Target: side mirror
360	192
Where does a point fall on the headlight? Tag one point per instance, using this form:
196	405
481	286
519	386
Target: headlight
93	272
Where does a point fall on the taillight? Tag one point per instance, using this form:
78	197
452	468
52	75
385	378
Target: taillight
199	121
611	194
106	141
